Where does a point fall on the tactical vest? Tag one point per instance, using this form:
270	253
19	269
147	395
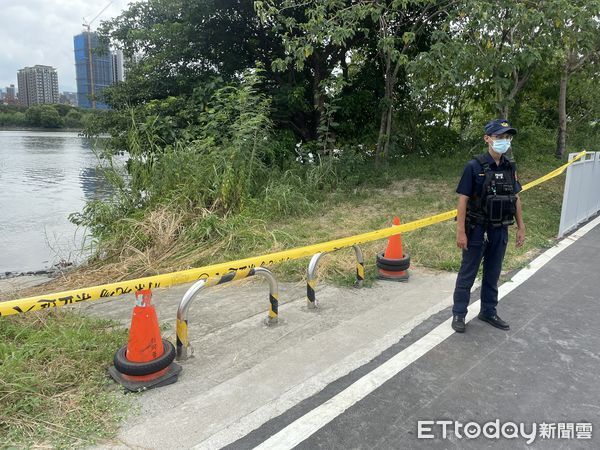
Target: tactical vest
496	203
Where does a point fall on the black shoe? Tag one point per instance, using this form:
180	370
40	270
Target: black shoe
494	321
458	324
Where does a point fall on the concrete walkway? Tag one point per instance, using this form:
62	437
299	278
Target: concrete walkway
544	372
244	373
362	370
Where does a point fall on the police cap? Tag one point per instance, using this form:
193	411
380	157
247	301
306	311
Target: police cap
498	126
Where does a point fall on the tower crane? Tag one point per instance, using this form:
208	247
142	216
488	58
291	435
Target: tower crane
87	25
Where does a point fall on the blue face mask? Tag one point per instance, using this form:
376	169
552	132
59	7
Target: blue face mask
501	146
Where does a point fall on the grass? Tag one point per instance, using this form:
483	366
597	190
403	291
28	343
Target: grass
54	391
177	240
53	386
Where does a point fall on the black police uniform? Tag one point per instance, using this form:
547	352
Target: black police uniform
486	227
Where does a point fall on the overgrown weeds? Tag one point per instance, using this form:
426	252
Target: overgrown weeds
54	390
171	238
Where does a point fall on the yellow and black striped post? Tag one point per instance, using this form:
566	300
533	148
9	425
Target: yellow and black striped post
310	293
182	339
311	280
181	328
360	266
183	342
311	275
273	317
360	274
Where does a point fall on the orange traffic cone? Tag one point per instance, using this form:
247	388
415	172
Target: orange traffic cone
393	264
394	247
147	359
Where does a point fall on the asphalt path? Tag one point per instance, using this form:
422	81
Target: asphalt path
543	376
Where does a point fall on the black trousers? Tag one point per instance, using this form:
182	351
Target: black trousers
487	243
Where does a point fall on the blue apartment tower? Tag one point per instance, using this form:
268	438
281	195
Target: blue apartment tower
93	68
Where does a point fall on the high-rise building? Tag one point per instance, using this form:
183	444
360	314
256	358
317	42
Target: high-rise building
93	68
118	74
38	85
11	95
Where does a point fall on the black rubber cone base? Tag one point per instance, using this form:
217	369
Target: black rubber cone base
169	377
399	277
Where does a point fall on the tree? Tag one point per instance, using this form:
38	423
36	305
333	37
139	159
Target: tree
49	117
309	44
179	46
577	32
325	34
178	42
33	116
74	119
491	47
63	109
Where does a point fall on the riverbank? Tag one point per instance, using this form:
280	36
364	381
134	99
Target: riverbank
417	189
339	214
51	272
64	130
10	286
13	283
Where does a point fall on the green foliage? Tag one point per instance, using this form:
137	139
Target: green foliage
179	52
321	35
12	119
42	116
63	110
344	83
12	116
442	64
73	119
54	365
217	168
49	118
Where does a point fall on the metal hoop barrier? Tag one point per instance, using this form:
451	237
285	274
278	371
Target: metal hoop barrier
311	274
182	312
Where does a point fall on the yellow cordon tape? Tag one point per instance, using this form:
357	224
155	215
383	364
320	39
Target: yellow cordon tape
554	173
124	287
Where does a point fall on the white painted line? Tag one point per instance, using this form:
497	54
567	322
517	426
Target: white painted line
311	422
317	383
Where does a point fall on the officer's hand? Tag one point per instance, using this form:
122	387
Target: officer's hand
461	240
520	237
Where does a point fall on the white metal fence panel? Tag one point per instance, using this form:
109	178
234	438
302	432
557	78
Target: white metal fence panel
581	198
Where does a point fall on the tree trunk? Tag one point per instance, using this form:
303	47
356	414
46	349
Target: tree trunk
561	141
382	125
501	106
318	99
385	126
318	104
388	127
386	113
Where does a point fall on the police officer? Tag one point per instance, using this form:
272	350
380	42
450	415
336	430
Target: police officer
488	203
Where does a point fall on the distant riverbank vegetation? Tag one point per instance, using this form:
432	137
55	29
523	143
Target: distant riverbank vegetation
43	116
238	113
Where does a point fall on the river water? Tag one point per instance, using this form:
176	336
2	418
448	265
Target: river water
44	177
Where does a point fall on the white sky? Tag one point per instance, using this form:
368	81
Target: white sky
41	32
